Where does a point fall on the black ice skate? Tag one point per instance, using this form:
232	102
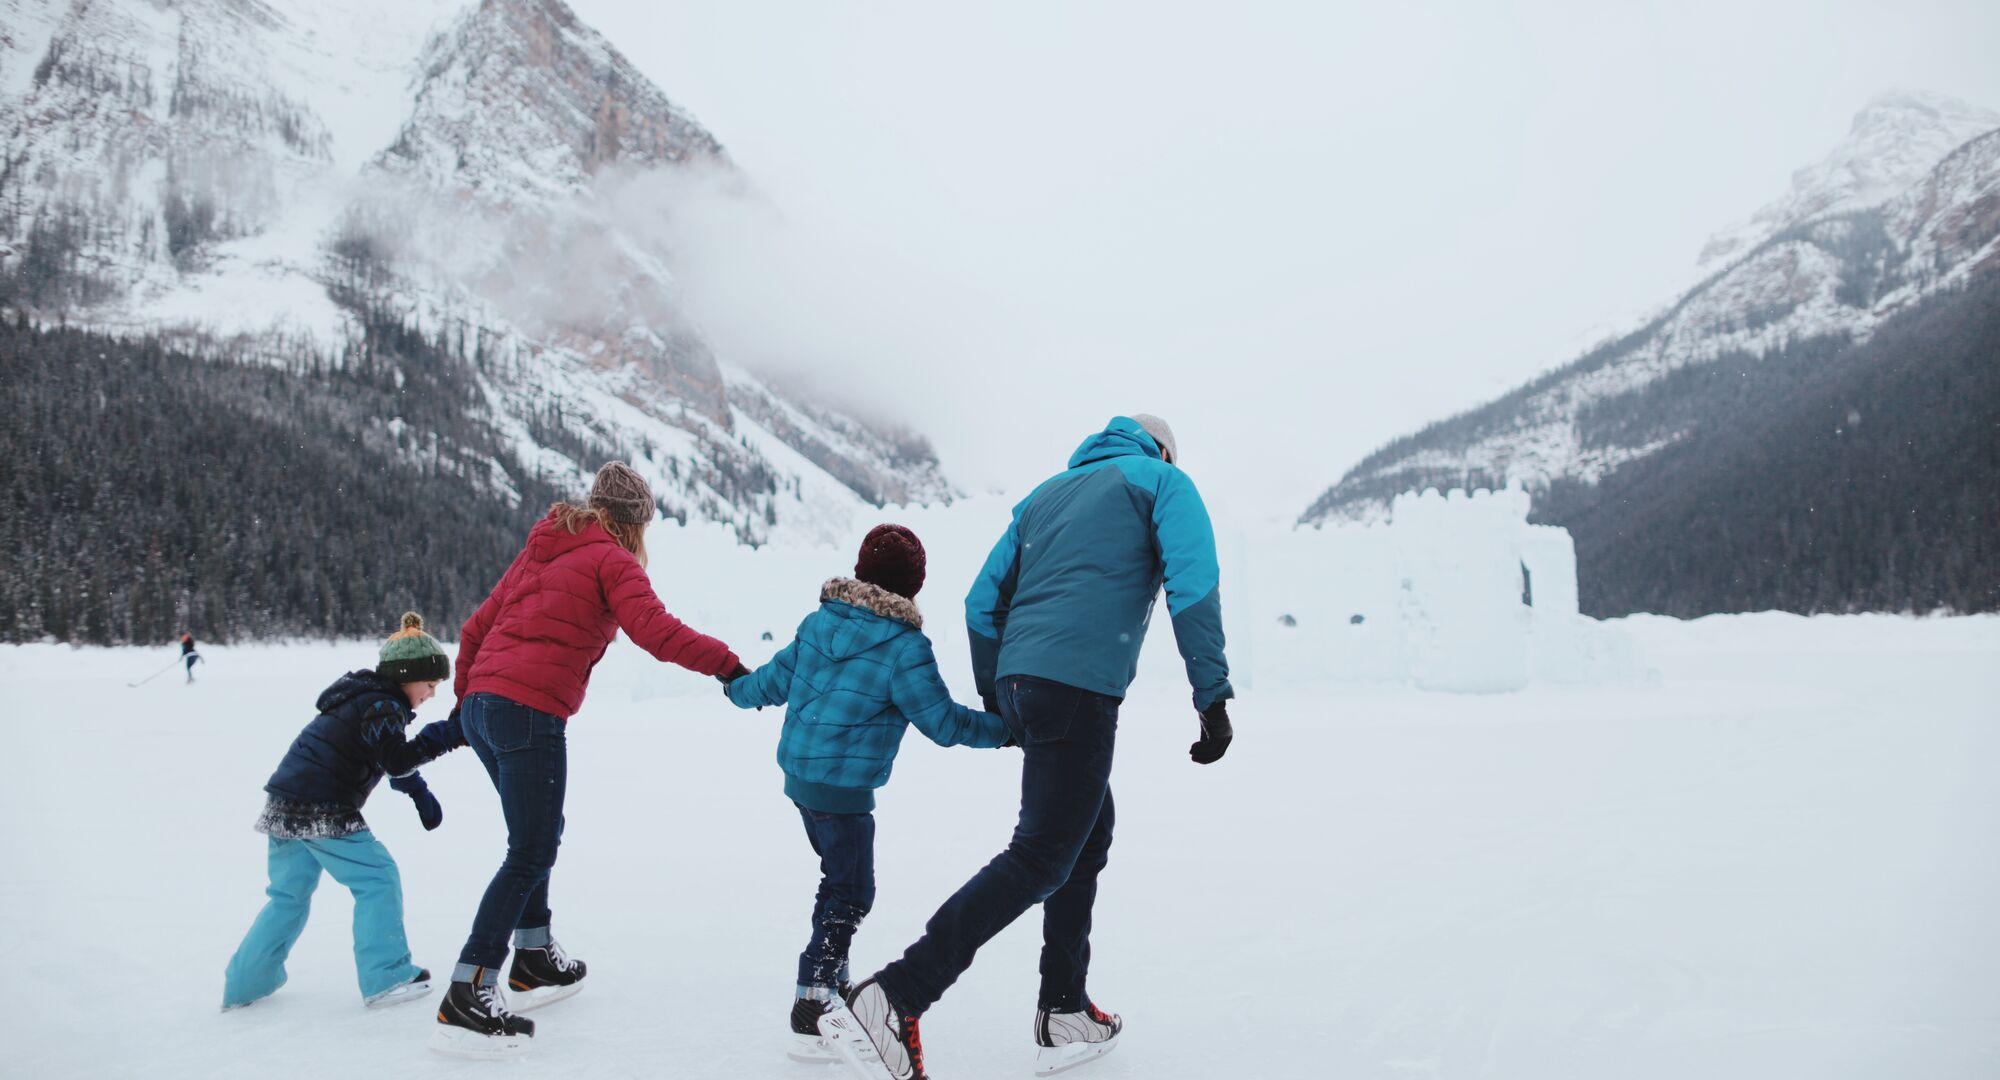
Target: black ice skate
1068	1039
877	1041
541	976
401	992
806	1045
474	1022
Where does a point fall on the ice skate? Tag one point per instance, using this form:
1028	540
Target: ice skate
542	976
876	1040
401	993
473	1022
1069	1039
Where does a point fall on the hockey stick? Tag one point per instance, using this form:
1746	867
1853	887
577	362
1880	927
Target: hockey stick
157	674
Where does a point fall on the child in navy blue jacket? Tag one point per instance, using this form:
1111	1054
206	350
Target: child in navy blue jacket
858	674
312	815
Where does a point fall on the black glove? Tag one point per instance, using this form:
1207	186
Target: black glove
428	810
735	673
990	703
1215	735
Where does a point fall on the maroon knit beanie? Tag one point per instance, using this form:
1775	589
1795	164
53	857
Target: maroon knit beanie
892	557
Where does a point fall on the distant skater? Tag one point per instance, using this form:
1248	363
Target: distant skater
188	655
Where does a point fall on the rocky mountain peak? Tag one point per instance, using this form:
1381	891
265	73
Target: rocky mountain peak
520	99
1893	141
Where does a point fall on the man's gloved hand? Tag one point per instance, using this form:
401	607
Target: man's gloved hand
1215	735
428	810
735	673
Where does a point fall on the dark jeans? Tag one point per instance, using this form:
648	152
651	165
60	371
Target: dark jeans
526	753
845	844
1062	842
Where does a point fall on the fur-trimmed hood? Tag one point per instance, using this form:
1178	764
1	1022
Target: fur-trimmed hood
872	598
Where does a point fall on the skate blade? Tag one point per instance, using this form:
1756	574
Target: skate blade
842	1032
459	1042
1054	1059
398	995
811	1050
521	1001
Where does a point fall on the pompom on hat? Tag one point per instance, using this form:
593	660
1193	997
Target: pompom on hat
410	655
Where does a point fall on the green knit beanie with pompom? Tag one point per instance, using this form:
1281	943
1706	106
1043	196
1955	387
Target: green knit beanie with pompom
410	655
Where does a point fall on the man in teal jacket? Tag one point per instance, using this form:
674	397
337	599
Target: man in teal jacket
1057	617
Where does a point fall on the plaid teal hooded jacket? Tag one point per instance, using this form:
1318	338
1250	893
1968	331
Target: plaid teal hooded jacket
859	671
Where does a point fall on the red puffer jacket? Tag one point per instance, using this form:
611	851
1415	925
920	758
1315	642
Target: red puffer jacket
547	623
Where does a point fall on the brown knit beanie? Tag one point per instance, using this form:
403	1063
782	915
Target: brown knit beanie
622	493
892	557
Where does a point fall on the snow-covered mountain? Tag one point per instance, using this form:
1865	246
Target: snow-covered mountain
485	186
1905	208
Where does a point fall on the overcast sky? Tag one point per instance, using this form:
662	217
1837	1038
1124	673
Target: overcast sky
1294	230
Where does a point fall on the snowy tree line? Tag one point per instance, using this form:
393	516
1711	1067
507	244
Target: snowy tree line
1828	476
150	491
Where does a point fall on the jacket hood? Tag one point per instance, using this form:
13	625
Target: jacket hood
356	684
860	616
548	540
1122	437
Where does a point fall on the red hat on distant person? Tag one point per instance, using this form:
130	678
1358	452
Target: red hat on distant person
892	557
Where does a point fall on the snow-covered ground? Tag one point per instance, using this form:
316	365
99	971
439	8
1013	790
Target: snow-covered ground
1775	859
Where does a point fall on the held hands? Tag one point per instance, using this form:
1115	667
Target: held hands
1215	735
735	673
992	704
446	734
428	810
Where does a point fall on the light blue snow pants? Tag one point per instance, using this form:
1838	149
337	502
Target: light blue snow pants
360	862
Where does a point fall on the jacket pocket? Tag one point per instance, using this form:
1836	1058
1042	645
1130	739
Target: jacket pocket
1044	710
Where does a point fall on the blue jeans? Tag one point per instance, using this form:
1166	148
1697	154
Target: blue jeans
845	844
526	753
1060	845
363	865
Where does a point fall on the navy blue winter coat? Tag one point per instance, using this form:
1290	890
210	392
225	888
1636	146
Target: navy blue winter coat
344	752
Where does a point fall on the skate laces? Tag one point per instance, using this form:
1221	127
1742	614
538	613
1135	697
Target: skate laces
489	996
913	1044
558	957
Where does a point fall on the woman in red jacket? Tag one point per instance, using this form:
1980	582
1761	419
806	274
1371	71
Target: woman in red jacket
524	659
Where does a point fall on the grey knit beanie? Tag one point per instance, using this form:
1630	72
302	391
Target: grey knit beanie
1161	434
622	493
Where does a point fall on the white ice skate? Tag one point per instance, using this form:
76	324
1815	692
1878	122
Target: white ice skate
1069	1039
875	1039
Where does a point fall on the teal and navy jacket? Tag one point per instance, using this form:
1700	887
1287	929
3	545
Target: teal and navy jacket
1068	592
858	673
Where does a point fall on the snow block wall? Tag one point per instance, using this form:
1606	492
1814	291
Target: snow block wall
1454	592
